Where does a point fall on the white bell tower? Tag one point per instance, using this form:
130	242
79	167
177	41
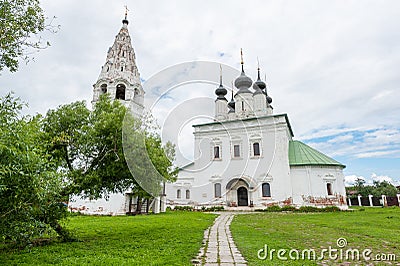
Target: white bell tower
119	76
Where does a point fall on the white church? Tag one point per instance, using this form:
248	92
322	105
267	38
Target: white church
246	158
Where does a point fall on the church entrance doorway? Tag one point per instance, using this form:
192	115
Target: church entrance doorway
242	196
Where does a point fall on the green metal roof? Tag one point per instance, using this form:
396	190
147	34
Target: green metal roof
302	154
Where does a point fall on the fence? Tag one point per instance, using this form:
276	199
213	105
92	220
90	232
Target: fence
374	201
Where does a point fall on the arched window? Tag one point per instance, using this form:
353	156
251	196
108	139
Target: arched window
108	68
178	194
122	68
217	190
136	93
329	189
256	149
187	194
120	92
266	190
103	88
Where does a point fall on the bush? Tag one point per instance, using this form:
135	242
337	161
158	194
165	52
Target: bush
183	208
309	209
330	209
274	208
288	208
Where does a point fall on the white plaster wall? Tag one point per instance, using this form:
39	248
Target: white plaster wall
312	180
271	166
115	205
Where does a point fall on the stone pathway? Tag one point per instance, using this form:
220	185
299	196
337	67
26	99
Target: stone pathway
218	246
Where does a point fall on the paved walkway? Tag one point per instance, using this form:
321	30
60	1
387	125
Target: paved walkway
218	246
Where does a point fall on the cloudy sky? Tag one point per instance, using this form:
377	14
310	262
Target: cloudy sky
333	66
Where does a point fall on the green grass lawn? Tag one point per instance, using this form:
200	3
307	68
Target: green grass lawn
375	228
173	238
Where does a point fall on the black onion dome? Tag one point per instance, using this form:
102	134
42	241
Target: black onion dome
269	99
221	92
259	84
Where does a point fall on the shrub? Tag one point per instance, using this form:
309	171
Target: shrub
330	209
274	208
309	209
183	208
288	208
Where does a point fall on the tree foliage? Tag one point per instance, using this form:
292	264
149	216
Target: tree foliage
31	203
377	189
20	23
88	146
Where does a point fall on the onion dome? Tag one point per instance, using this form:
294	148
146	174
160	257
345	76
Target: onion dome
221	91
259	85
269	99
243	82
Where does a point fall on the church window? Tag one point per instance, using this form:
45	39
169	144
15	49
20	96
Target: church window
122	68
187	194
329	189
256	149
103	88
108	68
236	150
242	106
266	190
217	190
216	152
123	53
120	92
178	194
136	93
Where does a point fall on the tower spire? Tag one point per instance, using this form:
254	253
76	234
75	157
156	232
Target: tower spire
220	75
241	59
258	68
125	20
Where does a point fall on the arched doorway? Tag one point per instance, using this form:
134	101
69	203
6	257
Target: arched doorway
243	197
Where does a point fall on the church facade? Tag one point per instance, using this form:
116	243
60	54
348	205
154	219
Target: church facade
247	157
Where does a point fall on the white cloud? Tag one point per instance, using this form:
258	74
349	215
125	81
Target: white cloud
350	180
332	66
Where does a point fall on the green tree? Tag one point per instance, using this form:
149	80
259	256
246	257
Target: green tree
31	205
384	188
88	145
20	23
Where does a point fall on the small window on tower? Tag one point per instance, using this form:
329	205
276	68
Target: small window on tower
120	94
136	93
236	151
108	68
122	68
216	152
242	106
123	54
103	88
